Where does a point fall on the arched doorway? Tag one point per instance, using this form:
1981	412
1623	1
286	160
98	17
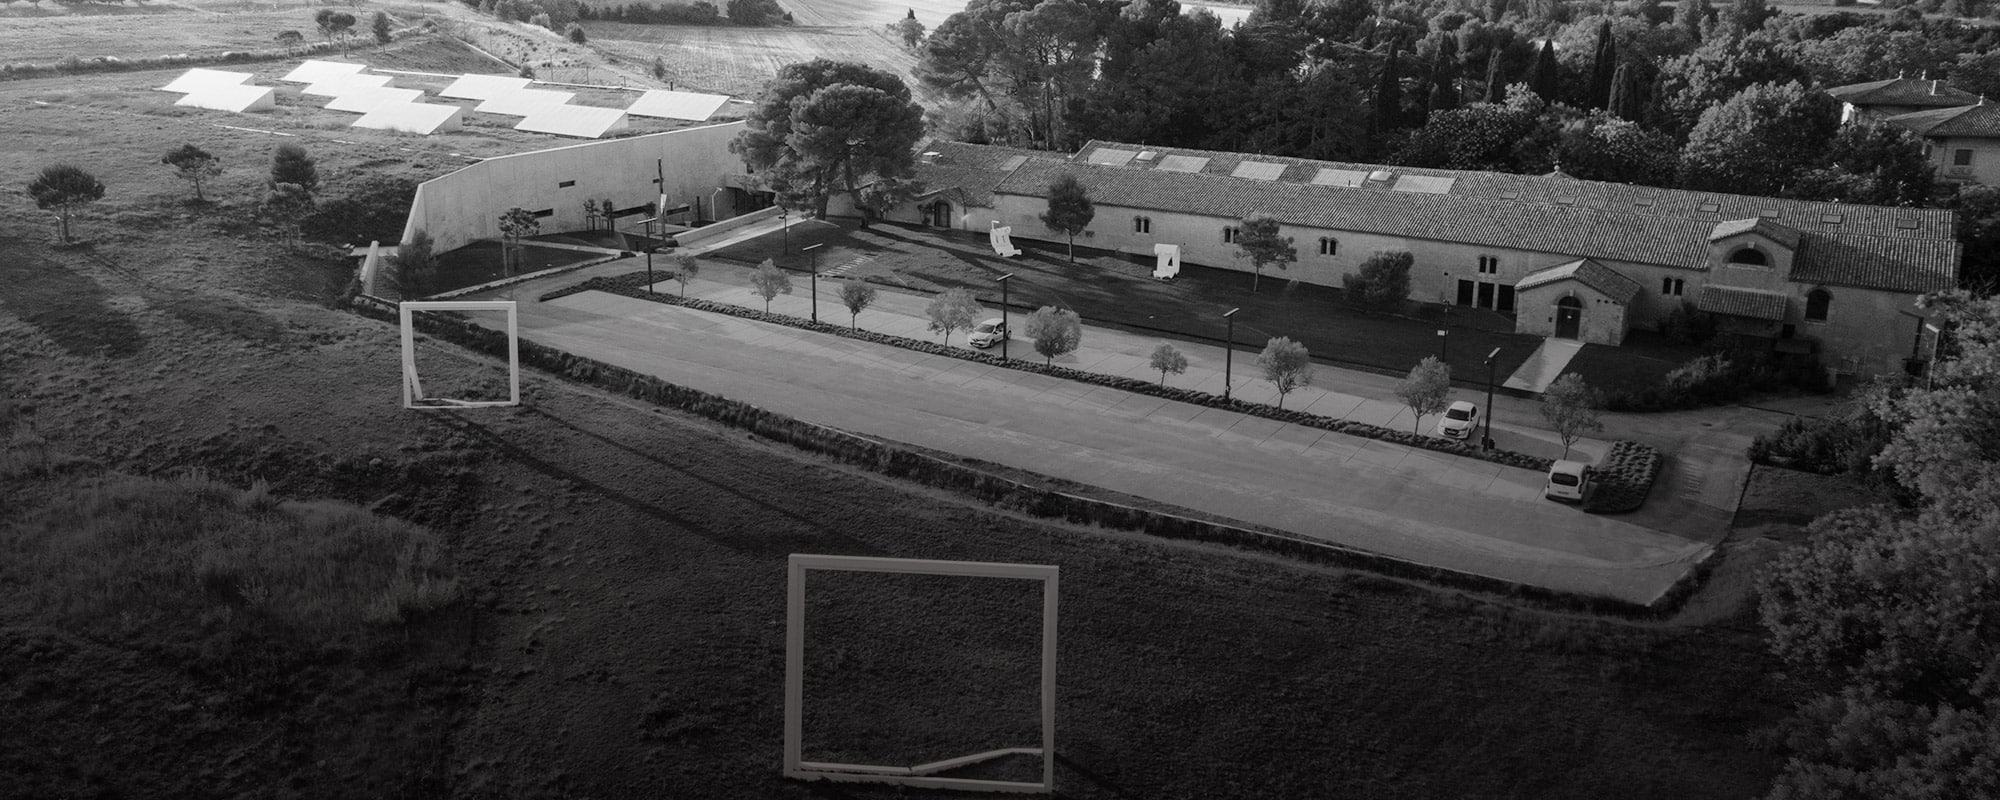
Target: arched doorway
1569	317
938	214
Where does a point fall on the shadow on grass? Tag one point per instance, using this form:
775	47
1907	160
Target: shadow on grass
479	263
70	309
220	314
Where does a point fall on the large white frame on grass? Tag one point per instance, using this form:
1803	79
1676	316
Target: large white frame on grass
413	390
921	774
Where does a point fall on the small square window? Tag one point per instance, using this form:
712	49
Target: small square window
565	184
546	212
1329	246
1142	225
1961	158
1231	234
1672	287
1488	265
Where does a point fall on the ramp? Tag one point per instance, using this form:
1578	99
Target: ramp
1544	365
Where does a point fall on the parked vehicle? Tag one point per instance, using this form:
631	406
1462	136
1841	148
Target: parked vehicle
1568	481
988	333
1458	421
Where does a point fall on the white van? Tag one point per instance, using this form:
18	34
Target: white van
1568	480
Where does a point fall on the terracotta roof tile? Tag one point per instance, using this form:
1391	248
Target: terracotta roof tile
1981	120
1605	280
1903	92
1742	302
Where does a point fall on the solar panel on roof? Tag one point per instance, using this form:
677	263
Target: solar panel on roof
1182	164
1013	163
1424	184
1259	170
1112	158
1339	177
690	106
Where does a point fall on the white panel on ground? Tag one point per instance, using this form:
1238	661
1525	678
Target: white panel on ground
522	102
691	106
346	84
367	100
195	80
316	71
588	122
419	118
483	87
231	98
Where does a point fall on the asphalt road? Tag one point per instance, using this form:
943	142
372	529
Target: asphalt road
1459	513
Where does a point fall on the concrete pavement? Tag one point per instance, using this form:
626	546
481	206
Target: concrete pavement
1454	512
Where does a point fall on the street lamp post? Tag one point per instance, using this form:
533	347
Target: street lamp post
1444	342
1005	332
1492	360
649	270
811	250
1228	351
785	229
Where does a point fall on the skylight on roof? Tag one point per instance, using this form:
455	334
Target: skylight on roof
1381	175
1148	155
1112	158
1907	223
1644	202
1832	219
1511	194
1013	163
1769	213
1339	177
1566	200
1259	170
1708	208
1182	164
1424	184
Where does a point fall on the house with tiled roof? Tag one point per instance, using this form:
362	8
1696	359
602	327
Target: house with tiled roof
1964	141
1569	258
1887	98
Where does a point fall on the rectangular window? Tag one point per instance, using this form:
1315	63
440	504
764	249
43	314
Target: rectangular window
565	184
1231	234
1671	287
1961	158
546	212
1142	225
1485	295
1329	246
1506	300
1489	265
1464	292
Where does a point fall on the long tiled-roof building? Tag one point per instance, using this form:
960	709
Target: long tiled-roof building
1569	258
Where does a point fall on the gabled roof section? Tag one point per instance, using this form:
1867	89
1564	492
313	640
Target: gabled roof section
1899	249
1605	280
974	169
1904	92
1777	232
1736	302
1982	120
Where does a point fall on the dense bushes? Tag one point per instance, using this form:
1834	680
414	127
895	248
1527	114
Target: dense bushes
633	285
1828	446
1623	479
1724	375
374	210
1687	325
695	13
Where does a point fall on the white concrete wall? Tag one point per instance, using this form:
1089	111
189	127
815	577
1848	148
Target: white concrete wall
465	206
1985	167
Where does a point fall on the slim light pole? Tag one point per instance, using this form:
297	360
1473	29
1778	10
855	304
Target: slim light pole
1492	360
649	270
811	250
1228	351
1444	343
1930	367
785	229
1005	334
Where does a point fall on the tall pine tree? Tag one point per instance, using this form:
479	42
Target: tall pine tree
1602	67
1496	88
1628	100
1444	77
1542	76
1388	92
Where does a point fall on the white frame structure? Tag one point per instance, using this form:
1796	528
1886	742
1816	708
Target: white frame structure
922	774
413	390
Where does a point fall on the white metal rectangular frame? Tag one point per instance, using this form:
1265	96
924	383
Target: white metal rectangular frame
413	389
921	774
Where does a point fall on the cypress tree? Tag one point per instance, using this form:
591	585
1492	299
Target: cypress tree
1602	67
1627	96
1389	91
1496	91
1444	77
1542	76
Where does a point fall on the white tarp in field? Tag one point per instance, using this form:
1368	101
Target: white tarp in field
367	100
197	79
1167	260
231	98
588	122
317	71
346	84
1002	239
483	87
690	106
522	102
422	119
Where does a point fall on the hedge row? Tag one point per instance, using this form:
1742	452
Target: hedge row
894	461
1624	478
634	285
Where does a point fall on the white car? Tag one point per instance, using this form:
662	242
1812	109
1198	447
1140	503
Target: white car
1458	421
1568	481
988	333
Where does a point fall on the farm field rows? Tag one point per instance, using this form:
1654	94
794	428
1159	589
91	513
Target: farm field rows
737	61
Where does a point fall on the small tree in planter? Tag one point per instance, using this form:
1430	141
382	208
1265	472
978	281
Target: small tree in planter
686	268
1168	359
1259	241
1426	391
517	224
769	281
63	189
1286	365
1056	331
1570	407
1384	280
857	295
950	310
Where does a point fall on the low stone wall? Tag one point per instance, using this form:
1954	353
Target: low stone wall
704	233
